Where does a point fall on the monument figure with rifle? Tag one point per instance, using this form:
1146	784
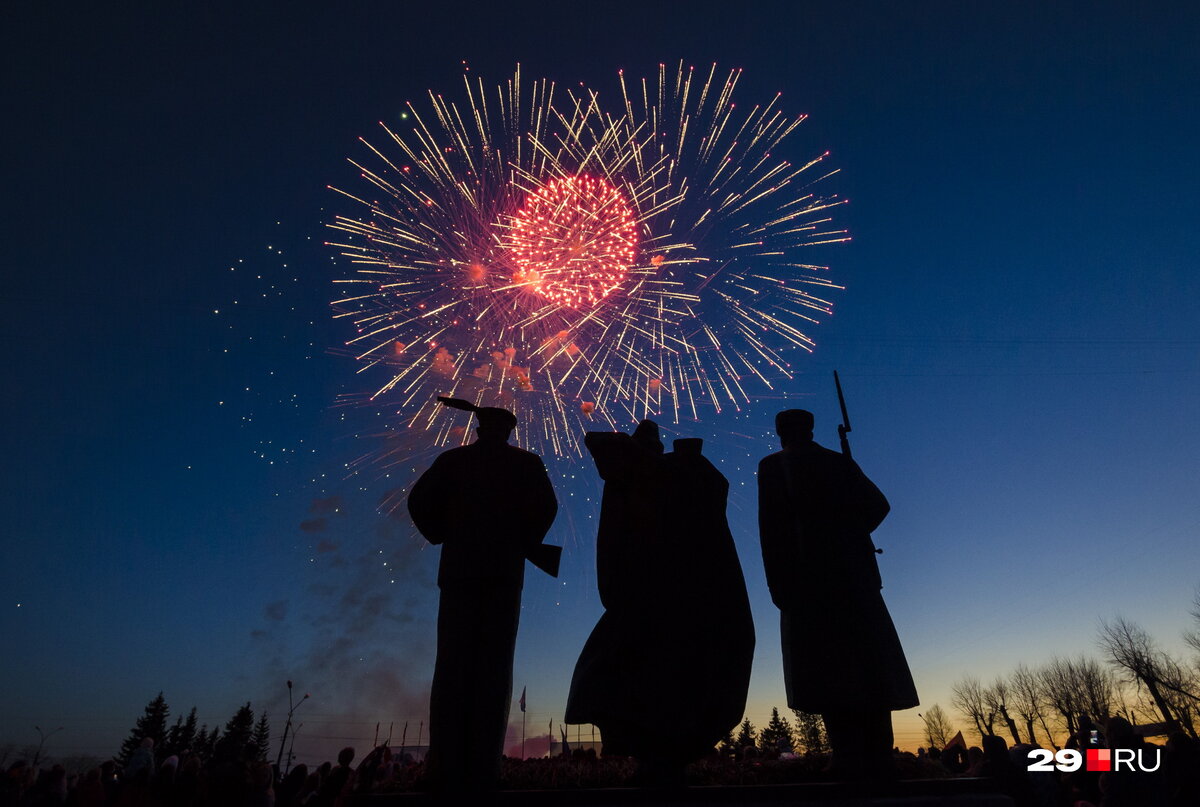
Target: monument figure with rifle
488	505
842	658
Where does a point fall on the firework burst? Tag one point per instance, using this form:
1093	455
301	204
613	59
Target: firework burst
574	240
582	265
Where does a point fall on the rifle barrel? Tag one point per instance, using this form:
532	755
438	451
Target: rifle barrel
841	402
844	426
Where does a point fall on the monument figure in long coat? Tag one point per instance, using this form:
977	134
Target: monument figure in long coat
842	658
489	505
664	673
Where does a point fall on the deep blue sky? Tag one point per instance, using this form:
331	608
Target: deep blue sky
1018	338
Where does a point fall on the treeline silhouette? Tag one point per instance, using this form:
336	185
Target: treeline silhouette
161	764
158	764
779	736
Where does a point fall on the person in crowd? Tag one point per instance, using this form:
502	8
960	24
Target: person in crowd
998	766
287	794
335	781
1182	761
1122	787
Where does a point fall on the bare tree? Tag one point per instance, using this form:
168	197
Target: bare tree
995	698
1180	685
1060	685
1135	712
1096	687
938	730
1028	702
967	697
1192	637
1131	649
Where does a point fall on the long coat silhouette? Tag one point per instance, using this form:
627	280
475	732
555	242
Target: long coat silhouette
489	505
664	673
817	510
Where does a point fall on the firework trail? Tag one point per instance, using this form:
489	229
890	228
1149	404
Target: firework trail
583	266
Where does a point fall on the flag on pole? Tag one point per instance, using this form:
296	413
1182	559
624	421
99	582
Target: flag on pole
523	698
957	740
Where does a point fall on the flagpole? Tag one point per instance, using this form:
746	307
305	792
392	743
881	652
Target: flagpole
523	716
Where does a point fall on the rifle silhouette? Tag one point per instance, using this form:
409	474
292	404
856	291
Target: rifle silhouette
844	426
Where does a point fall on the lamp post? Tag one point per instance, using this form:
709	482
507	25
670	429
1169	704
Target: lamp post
287	727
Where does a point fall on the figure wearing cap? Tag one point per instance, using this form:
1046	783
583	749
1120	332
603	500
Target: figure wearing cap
842	658
488	505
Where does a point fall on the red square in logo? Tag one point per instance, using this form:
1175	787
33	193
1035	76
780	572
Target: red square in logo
1099	759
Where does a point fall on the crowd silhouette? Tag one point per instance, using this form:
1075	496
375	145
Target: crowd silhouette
198	779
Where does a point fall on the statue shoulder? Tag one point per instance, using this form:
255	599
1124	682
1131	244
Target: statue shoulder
520	457
453	456
772	462
831	456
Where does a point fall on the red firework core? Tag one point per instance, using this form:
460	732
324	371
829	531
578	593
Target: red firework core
574	240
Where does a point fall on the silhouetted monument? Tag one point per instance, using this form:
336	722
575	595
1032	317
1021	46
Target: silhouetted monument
489	505
664	673
841	655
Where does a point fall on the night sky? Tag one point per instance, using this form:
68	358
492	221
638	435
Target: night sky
183	504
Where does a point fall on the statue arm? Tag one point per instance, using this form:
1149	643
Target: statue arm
544	503
872	504
427	505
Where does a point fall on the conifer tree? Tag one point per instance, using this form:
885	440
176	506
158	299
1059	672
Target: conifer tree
181	735
726	744
171	743
153	724
238	733
777	736
810	732
746	734
262	737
